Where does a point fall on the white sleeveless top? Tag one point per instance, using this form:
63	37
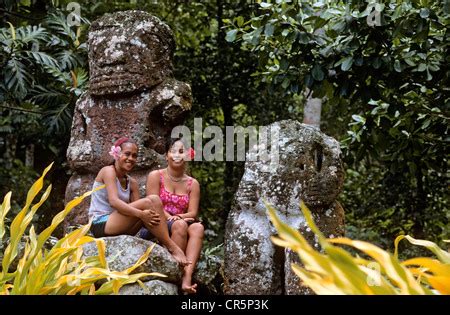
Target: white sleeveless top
99	200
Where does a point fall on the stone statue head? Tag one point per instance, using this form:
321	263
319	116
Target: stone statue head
129	51
308	167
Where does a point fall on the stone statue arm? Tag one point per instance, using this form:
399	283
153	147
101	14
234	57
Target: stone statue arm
177	98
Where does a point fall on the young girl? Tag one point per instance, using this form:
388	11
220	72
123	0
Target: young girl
117	209
180	195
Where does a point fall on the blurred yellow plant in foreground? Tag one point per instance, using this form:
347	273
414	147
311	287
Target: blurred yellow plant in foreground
62	269
336	271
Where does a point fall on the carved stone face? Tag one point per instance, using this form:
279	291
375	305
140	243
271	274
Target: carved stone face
128	52
310	159
319	162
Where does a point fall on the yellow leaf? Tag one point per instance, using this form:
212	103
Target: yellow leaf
394	270
442	284
442	255
434	265
6	206
101	252
13	30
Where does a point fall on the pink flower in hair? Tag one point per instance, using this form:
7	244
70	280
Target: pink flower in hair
191	154
115	152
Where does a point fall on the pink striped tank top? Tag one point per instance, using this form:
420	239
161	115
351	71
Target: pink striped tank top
174	203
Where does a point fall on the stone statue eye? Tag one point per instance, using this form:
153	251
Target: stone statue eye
318	157
154	43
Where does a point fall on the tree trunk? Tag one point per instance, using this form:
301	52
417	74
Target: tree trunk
312	110
227	108
420	203
10	150
29	155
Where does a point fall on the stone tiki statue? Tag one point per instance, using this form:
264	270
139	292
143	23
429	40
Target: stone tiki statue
131	93
309	169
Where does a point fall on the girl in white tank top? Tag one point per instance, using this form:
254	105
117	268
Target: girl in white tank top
118	209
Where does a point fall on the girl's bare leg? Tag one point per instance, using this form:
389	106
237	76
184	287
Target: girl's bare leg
180	234
161	232
118	223
121	224
193	248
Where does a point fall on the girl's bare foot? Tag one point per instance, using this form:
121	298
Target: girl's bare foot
179	256
187	287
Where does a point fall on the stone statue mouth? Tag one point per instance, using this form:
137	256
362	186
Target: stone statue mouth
116	78
318	191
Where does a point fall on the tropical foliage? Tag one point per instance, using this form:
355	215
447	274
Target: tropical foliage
61	269
42	74
382	71
336	271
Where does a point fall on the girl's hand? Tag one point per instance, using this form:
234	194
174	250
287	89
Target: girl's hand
174	218
150	216
189	220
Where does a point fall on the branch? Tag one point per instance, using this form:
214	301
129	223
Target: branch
21	109
20	15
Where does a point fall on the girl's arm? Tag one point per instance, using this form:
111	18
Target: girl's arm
152	185
134	193
194	200
109	179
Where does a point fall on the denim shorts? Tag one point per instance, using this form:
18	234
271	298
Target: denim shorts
98	226
170	223
146	235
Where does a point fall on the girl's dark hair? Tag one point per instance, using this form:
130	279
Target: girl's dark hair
170	142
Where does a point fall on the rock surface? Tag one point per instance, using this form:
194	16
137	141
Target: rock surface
152	287
123	251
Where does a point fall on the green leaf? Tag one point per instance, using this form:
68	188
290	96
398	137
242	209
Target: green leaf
426	124
265	5
376	63
359	119
231	36
347	63
17	77
42	58
303	38
320	23
422	67
410	62
397	66
240	21
268	29
317	73
424	13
